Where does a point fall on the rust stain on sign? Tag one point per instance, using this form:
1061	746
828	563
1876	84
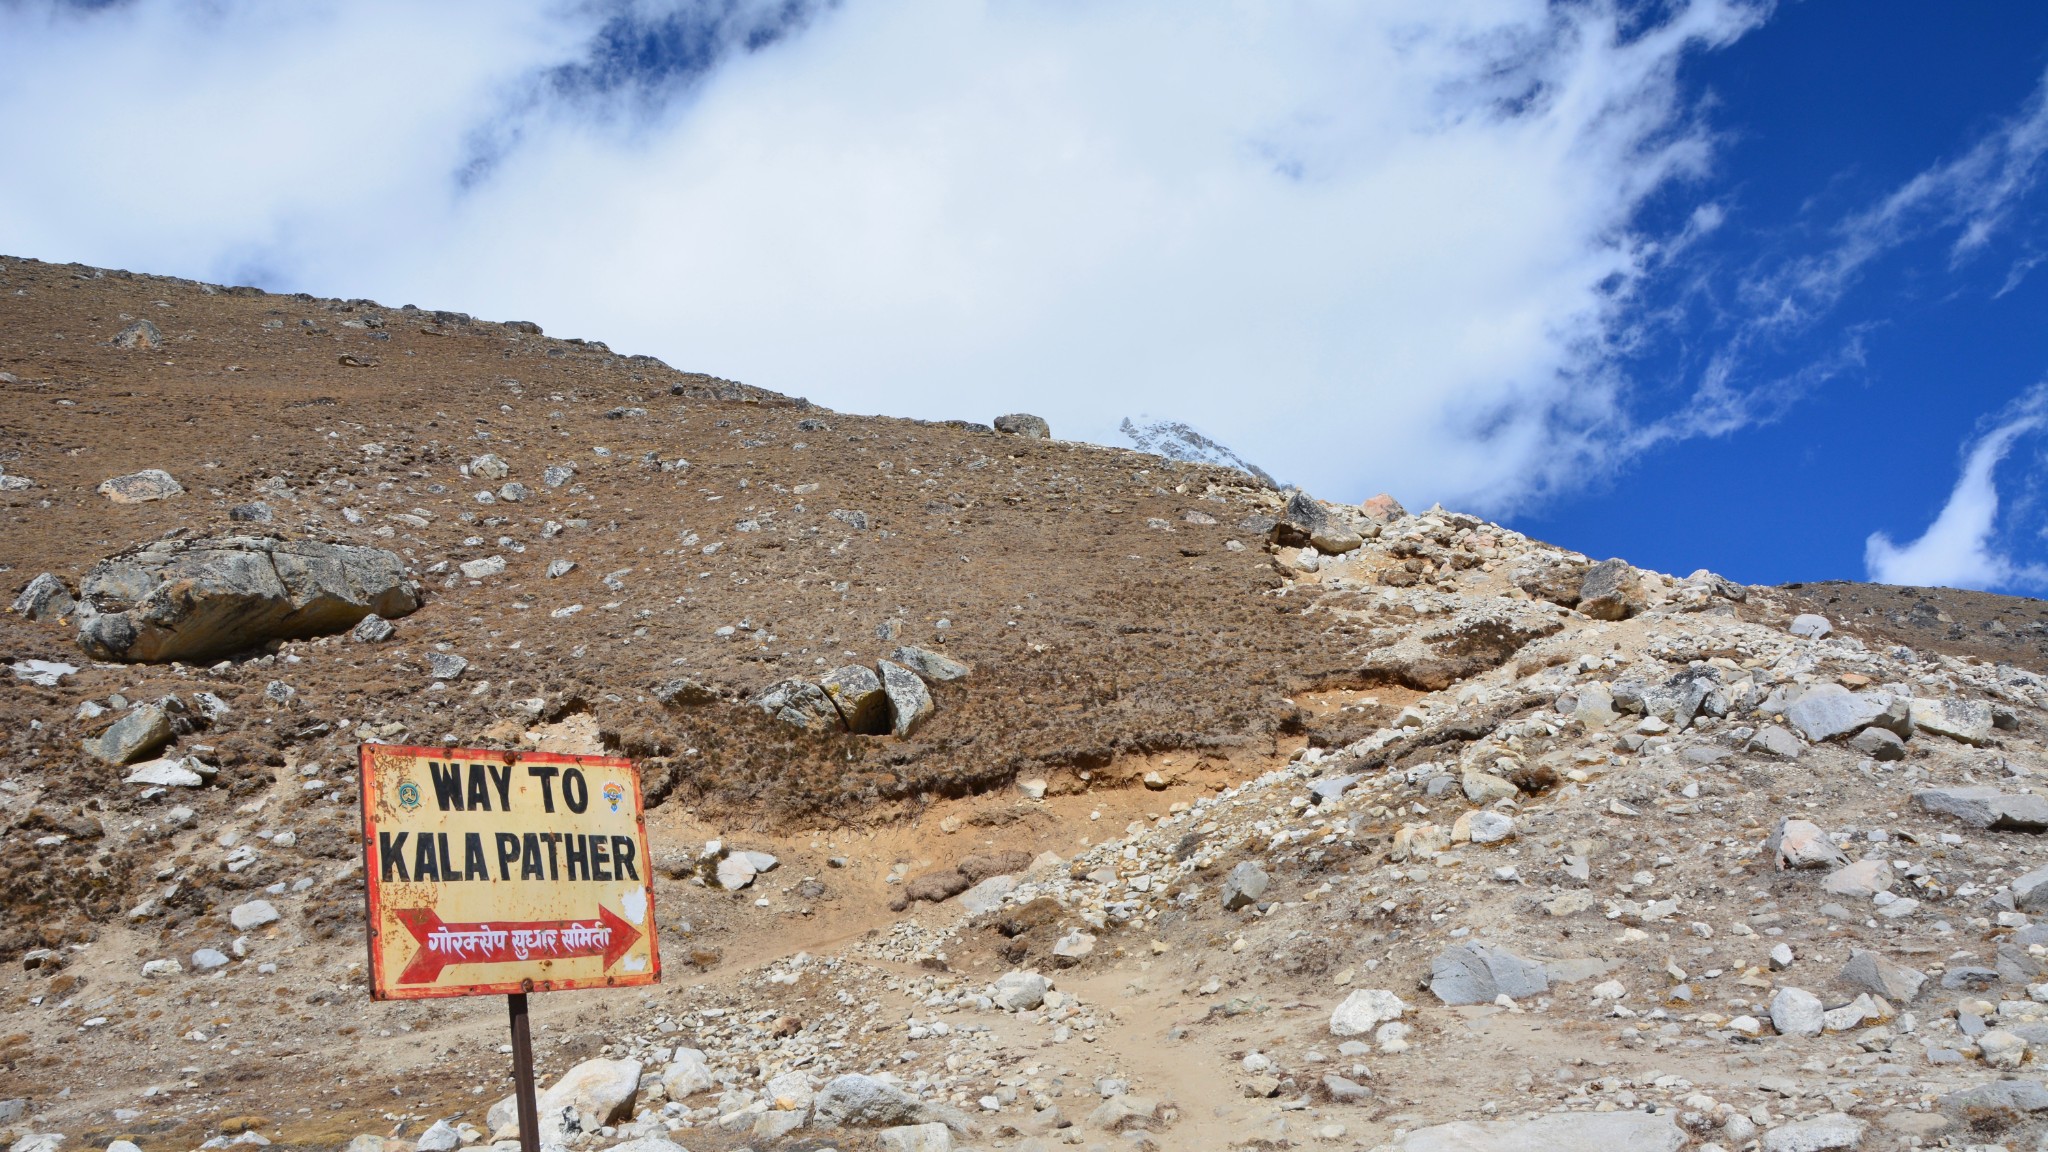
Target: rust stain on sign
494	872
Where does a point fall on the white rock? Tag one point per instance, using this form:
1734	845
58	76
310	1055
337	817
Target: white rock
155	968
915	1138
170	772
439	1138
2001	1049
1819	1134
1810	625
254	914
735	872
1365	1010
1490	827
1797	1012
486	567
687	1074
1020	991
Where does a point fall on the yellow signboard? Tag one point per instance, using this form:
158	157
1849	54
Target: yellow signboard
494	872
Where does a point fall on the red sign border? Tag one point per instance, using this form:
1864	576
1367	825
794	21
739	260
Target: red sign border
373	896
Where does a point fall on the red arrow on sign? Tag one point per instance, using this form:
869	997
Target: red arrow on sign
443	944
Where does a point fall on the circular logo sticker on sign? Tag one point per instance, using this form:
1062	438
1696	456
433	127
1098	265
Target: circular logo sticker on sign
408	795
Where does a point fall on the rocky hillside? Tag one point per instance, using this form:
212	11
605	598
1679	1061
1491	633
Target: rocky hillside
1010	793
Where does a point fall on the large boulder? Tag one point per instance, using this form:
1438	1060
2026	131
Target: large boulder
45	598
1987	807
1612	590
1475	634
1024	424
589	1096
140	733
1304	523
910	702
195	599
1474	973
1966	720
800	703
1828	711
857	1101
857	692
141	487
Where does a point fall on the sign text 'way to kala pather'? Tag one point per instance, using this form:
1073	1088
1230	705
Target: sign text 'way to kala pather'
505	872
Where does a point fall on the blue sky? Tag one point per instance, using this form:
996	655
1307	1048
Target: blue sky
1719	283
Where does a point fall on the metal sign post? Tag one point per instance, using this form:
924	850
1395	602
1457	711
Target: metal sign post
522	1075
494	872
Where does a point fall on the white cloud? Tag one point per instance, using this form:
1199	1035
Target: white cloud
1959	549
1385	246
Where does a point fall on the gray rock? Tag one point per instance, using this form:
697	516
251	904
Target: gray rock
489	466
192	599
441	1137
1826	711
1833	1130
1811	626
1996	1106
799	703
141	334
446	665
1796	1012
1986	807
1772	740
1612	590
2030	891
141	487
857	693
851	517
1245	884
514	492
45	598
1024	424
207	959
910	702
1020	991
483	568
1966	720
1301	520
372	629
140	733
560	568
1878	744
1331	788
256	512
1343	1090
1870	972
254	914
683	692
933	666
12	1110
857	1101
1556	1132
915	1138
1475	973
1969	979
38	1142
556	475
